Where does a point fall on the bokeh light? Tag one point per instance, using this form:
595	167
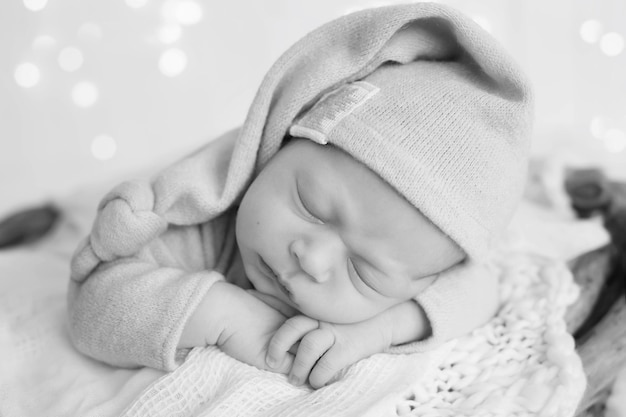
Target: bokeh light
70	59
35	5
185	12
90	31
188	12
612	43
136	4
173	62
27	75
103	147
591	31
169	33
44	42
598	127
85	94
615	140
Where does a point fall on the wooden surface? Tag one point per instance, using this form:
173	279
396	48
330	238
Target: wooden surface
598	318
602	346
589	272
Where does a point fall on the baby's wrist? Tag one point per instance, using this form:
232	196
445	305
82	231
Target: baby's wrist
208	323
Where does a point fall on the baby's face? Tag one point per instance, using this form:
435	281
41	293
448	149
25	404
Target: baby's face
324	234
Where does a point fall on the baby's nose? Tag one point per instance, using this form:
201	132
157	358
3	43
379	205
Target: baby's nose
318	257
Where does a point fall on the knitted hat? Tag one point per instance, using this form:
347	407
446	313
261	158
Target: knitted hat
434	106
449	131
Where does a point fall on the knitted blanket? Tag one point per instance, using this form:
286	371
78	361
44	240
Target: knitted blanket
522	362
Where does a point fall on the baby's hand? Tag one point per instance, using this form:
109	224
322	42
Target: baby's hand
250	325
325	348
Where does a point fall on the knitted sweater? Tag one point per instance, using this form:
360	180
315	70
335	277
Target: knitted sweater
131	311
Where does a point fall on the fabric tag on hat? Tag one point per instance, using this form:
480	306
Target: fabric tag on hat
320	120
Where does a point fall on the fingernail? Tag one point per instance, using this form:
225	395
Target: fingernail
294	380
270	361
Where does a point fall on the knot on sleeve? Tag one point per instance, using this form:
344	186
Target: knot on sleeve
125	223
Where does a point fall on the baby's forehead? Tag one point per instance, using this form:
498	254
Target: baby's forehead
333	172
362	203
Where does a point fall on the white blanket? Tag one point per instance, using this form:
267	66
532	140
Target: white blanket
41	373
523	361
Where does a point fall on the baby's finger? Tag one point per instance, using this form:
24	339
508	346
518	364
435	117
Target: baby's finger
327	367
312	347
286	336
284	367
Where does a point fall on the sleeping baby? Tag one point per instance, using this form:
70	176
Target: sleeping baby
351	214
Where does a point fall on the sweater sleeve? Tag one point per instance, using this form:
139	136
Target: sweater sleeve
459	301
131	311
144	268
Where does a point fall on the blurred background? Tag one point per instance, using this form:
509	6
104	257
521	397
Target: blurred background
94	89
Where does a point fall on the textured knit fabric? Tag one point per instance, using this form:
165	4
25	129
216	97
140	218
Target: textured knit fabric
521	363
131	311
206	185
